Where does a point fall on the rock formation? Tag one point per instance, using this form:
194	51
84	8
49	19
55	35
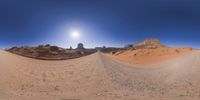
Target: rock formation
80	46
128	46
48	52
148	43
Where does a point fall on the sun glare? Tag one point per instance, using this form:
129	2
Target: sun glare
75	34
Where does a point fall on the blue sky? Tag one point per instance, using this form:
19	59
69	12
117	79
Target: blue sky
100	22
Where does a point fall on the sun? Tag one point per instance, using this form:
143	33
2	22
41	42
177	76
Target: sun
75	34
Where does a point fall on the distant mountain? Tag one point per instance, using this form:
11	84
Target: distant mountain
48	52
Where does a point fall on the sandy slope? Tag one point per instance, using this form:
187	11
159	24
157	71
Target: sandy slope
97	77
152	56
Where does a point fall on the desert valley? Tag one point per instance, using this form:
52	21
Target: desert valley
99	50
147	70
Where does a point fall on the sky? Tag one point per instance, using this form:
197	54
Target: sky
99	22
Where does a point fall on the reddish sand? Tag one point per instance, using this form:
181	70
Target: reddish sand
97	77
152	56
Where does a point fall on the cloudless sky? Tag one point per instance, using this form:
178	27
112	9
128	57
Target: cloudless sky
100	22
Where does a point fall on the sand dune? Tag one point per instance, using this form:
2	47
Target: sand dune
152	56
98	77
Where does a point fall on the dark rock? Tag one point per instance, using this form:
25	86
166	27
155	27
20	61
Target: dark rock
47	45
128	46
54	48
80	46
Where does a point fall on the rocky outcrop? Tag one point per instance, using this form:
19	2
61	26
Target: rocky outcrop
148	43
127	46
80	46
48	52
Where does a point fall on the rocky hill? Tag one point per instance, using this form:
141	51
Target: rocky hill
48	52
148	43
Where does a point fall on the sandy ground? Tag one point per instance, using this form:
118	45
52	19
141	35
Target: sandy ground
98	77
146	57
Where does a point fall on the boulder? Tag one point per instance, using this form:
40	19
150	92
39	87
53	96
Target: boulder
54	48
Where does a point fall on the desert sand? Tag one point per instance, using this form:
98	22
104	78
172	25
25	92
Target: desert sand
150	57
98	77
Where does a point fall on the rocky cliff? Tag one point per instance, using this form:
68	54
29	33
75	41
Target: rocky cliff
148	43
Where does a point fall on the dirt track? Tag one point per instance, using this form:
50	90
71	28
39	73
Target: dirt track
97	77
